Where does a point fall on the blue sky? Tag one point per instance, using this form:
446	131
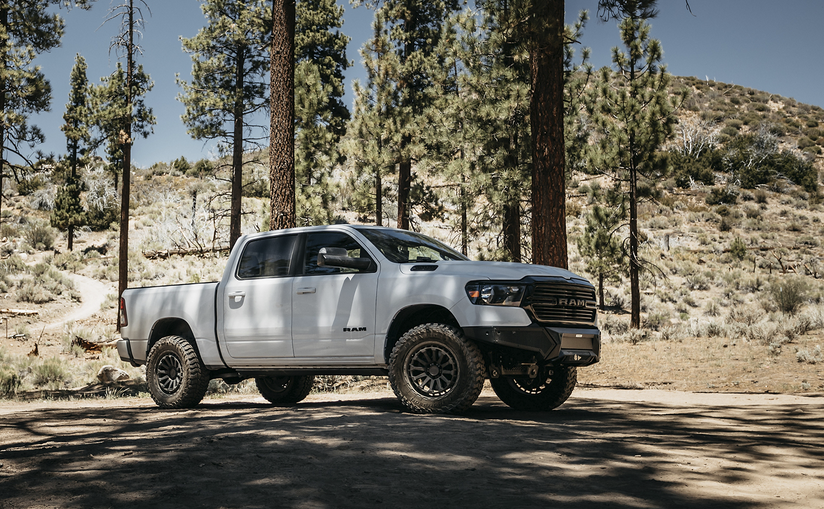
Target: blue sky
763	44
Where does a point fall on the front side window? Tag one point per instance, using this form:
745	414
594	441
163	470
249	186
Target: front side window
316	241
268	257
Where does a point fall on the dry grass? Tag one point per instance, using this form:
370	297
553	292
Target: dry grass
716	364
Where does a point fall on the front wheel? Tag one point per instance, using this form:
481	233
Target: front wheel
284	390
434	369
175	375
539	394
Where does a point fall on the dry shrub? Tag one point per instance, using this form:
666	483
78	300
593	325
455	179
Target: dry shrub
810	357
51	373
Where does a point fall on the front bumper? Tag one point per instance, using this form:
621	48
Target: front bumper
558	345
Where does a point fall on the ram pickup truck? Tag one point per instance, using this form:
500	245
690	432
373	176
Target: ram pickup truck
365	300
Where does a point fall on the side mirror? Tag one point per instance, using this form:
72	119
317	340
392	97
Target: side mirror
337	257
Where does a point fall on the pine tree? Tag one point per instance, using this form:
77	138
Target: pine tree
68	212
373	136
228	83
634	117
125	115
601	244
414	29
320	113
26	30
476	134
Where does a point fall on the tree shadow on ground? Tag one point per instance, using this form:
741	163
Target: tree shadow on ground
369	453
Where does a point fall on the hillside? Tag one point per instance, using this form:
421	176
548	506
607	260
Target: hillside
732	286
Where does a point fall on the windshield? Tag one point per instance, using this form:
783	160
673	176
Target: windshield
401	246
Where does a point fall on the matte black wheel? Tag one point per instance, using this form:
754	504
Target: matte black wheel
543	393
175	375
434	369
284	390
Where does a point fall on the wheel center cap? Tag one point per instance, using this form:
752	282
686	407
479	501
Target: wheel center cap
434	370
173	373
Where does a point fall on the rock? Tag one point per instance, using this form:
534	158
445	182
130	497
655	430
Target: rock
109	374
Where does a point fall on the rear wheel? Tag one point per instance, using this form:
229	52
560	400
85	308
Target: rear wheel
434	369
175	375
284	390
542	393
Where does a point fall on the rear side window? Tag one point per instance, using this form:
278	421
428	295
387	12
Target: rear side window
269	257
315	241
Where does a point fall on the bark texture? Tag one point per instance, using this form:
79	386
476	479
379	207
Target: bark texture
282	123
549	240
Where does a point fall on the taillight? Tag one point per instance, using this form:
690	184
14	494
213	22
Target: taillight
124	320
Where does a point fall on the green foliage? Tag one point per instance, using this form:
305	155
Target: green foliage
68	211
738	249
115	118
27	186
202	168
181	164
40	235
788	294
320	113
27	29
756	159
722	195
633	112
51	373
373	135
601	244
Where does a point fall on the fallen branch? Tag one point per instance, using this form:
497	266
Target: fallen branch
91	346
163	254
16	312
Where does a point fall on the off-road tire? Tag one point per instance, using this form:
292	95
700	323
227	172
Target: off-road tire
175	375
434	369
284	390
537	394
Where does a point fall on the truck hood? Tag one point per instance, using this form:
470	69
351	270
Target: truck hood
491	270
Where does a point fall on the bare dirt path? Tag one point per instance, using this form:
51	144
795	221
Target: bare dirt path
92	293
604	448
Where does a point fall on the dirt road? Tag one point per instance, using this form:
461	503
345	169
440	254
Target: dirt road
604	448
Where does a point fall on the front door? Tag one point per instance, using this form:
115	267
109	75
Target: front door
333	308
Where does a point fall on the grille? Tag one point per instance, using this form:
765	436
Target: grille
562	303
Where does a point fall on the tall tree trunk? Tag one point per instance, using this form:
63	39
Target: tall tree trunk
378	199
282	122
405	166
512	209
601	291
126	141
546	58
404	185
512	229
4	22
73	181
634	263
237	153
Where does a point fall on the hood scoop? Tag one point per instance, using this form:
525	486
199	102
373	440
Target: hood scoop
423	268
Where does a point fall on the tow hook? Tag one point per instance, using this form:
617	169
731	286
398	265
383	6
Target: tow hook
532	371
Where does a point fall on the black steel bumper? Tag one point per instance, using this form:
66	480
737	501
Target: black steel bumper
560	345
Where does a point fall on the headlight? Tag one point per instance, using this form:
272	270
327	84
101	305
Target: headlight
495	294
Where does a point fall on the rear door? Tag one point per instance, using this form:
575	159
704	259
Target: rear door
257	302
333	308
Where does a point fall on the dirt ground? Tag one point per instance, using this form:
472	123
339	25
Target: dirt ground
603	448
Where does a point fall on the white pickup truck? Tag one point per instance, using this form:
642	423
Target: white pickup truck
364	300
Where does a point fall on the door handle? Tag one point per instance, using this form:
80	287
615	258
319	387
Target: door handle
305	290
237	296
